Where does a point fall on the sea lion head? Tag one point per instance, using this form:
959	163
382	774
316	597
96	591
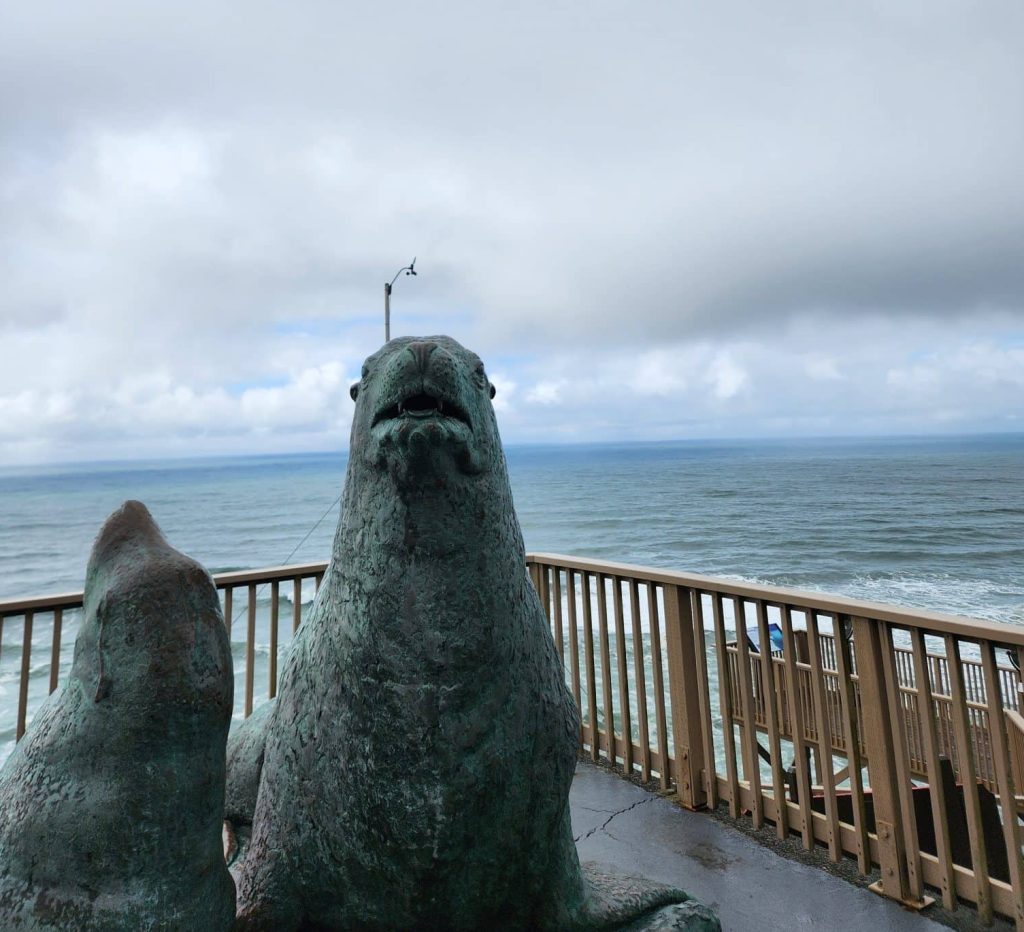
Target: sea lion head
153	632
423	405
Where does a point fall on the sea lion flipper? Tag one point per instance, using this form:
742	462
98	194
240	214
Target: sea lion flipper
690	916
624	901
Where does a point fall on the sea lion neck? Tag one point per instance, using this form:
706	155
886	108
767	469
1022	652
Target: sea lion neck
448	517
431	567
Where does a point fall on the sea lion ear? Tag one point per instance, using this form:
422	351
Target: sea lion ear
494	391
354	391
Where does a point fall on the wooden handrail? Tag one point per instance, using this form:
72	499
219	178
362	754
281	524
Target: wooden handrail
47	603
822	602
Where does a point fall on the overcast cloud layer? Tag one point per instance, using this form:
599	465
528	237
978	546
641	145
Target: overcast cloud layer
653	220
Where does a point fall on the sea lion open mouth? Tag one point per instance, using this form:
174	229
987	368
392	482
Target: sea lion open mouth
422	404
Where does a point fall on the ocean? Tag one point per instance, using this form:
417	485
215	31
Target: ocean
934	523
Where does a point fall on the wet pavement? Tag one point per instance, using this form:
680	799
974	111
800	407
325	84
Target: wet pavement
753	889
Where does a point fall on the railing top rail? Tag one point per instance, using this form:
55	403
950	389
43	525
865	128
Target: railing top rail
823	602
797	598
67	600
268	574
40	603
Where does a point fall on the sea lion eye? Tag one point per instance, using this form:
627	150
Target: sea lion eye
494	391
354	391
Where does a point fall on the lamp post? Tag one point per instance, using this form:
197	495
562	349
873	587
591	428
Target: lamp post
409	269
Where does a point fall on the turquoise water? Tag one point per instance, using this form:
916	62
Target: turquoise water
932	523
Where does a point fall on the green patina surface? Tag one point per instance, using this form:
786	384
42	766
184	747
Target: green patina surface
110	806
414	771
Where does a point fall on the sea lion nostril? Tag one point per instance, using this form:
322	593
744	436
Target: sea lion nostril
421	351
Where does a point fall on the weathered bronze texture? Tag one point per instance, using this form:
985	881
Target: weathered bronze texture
419	754
110	807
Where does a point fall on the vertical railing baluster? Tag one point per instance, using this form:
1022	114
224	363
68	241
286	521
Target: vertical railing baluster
851	727
1004	778
968	777
748	732
930	739
275	596
796	724
640	678
558	632
228	608
58	625
620	657
296	604
26	656
901	760
725	700
544	590
606	666
770	706
574	645
824	730
250	649
659	686
588	650
704	690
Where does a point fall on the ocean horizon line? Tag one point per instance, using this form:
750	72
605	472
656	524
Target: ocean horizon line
178	461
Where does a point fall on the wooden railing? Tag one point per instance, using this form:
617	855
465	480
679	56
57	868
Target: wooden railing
48	624
889	735
910	719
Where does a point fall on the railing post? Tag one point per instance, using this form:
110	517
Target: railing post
544	590
882	771
533	572
684	686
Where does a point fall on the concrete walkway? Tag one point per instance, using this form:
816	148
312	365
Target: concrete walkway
624	828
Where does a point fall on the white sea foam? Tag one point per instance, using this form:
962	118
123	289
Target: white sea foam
944	592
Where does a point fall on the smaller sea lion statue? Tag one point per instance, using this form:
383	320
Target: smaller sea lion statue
111	805
414	771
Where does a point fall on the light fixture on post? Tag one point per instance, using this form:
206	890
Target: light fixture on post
409	269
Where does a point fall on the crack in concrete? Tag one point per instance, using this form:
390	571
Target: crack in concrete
636	849
614	815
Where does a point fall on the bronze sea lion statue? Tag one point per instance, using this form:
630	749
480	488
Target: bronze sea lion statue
414	771
111	806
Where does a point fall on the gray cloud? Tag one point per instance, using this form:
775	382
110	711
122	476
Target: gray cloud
216	194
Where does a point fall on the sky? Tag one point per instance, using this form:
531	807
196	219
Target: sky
653	221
